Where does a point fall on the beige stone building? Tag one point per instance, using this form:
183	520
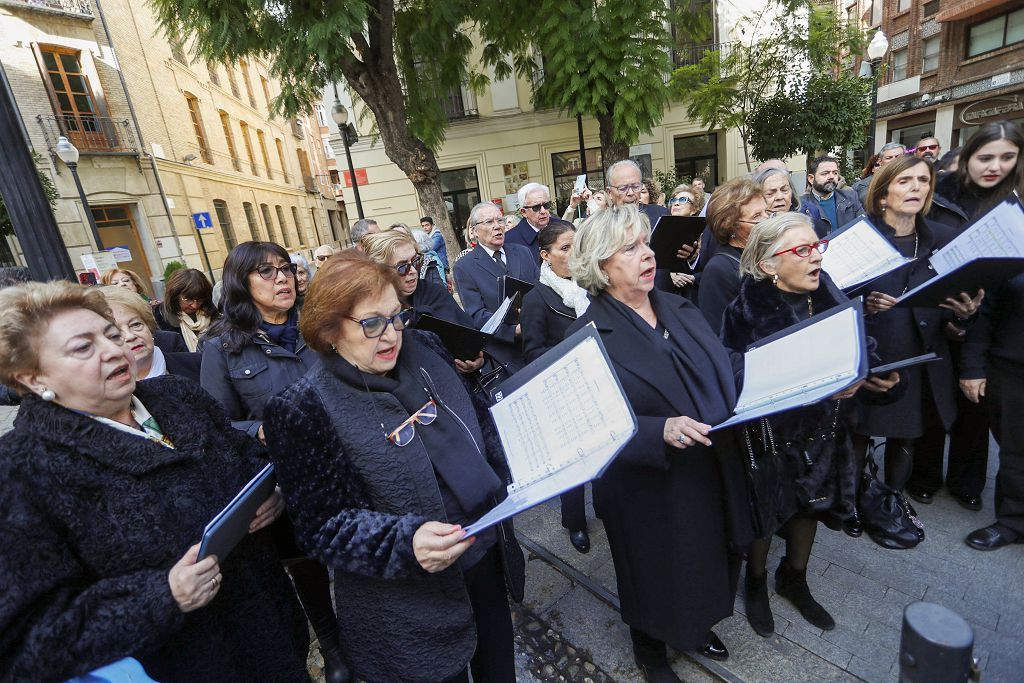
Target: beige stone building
162	136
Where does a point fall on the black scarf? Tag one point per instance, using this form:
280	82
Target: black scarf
286	334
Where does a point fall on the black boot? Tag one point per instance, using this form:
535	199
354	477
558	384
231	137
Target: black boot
313	587
792	585
759	613
652	658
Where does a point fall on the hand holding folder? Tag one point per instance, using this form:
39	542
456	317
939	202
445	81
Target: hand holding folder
673	233
231	524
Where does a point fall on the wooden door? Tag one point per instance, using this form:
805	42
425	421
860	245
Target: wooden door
117	229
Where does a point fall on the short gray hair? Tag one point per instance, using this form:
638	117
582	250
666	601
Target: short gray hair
760	176
597	240
622	164
301	262
892	145
528	188
361	227
765	238
476	210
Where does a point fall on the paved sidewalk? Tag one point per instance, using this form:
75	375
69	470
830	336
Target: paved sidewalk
864	586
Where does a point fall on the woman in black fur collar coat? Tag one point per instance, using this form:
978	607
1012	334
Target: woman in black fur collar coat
107	486
805	471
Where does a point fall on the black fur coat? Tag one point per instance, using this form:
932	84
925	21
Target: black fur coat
91	521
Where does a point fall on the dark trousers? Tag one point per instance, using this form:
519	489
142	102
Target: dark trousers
1005	391
574	513
494	659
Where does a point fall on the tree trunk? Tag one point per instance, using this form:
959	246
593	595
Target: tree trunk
611	149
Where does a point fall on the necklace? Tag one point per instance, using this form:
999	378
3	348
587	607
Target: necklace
810	307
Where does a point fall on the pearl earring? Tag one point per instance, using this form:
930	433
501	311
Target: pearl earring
47	395
775	279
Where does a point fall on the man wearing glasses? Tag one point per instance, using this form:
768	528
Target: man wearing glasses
535	205
321	254
928	148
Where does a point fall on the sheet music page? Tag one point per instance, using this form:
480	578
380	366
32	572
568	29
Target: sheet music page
492	323
813	356
1000	232
858	254
572	409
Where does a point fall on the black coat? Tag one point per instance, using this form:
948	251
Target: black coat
356	503
719	284
525	236
91	521
170	342
544	318
674	517
435	300
244	380
906	332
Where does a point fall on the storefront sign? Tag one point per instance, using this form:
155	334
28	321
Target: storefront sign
992	108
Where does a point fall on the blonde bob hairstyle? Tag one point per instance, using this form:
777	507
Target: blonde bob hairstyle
108	278
380	246
26	312
764	240
119	296
597	240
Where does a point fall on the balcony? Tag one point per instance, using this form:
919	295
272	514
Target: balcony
459	104
687	55
310	183
297	129
90	134
69	8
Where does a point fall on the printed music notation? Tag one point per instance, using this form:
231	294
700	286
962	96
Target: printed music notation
999	233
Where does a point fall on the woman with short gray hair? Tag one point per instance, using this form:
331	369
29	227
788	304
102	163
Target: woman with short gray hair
671	517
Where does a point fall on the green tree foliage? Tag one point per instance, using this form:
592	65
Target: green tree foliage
6	227
783	86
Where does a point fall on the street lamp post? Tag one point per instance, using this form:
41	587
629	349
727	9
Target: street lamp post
68	153
877	48
340	116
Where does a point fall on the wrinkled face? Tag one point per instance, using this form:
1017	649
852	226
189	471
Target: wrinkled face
510	222
908	190
85	362
630	270
796	274
929	149
135	333
558	256
122	279
301	281
992	163
536	209
826	178
372	356
490	227
778	195
751	213
682	204
275	296
891	154
624	187
406	254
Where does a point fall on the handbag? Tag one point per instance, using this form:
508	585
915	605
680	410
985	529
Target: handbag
513	561
488	383
885	513
762	468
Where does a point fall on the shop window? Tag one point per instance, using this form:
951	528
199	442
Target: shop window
696	155
566	166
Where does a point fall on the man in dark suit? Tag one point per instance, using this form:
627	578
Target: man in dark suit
836	207
535	206
478	275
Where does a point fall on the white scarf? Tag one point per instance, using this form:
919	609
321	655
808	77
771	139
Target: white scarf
573	296
191	330
158	367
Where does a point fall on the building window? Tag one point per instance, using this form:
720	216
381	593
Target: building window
298	226
909	136
903	5
696	156
931	8
280	157
220	207
211	69
197	126
232	81
266	90
271	236
284	226
263	151
250	218
995	33
321	115
566	166
461	191
73	100
244	66
876	11
248	147
899	65
853	15
225	124
930	54
328	150
178	51
307	175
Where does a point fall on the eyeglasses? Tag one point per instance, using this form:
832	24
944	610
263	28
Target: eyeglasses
404	267
805	250
490	222
374	327
538	207
269	272
322	257
632	187
925	148
404	433
680	200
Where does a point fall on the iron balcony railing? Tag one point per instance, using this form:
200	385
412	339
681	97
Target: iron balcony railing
685	55
90	134
458	104
74	8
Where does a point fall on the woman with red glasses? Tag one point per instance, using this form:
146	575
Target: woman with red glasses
384	455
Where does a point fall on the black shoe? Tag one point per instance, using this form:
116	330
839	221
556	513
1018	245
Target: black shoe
759	612
651	658
992	537
714	648
335	668
922	497
852	527
792	585
968	502
580	540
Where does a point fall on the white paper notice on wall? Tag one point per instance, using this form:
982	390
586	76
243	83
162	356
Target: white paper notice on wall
121	254
98	262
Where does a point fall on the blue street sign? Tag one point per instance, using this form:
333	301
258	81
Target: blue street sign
202	220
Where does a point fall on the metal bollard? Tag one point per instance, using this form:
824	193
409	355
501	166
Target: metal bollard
936	646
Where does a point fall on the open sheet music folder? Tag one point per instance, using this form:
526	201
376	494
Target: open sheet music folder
803	364
561	419
979	273
858	254
464	343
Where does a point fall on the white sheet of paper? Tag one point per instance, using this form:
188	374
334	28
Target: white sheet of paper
492	323
1000	232
859	254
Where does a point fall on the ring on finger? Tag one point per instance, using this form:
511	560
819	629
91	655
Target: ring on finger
683	439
